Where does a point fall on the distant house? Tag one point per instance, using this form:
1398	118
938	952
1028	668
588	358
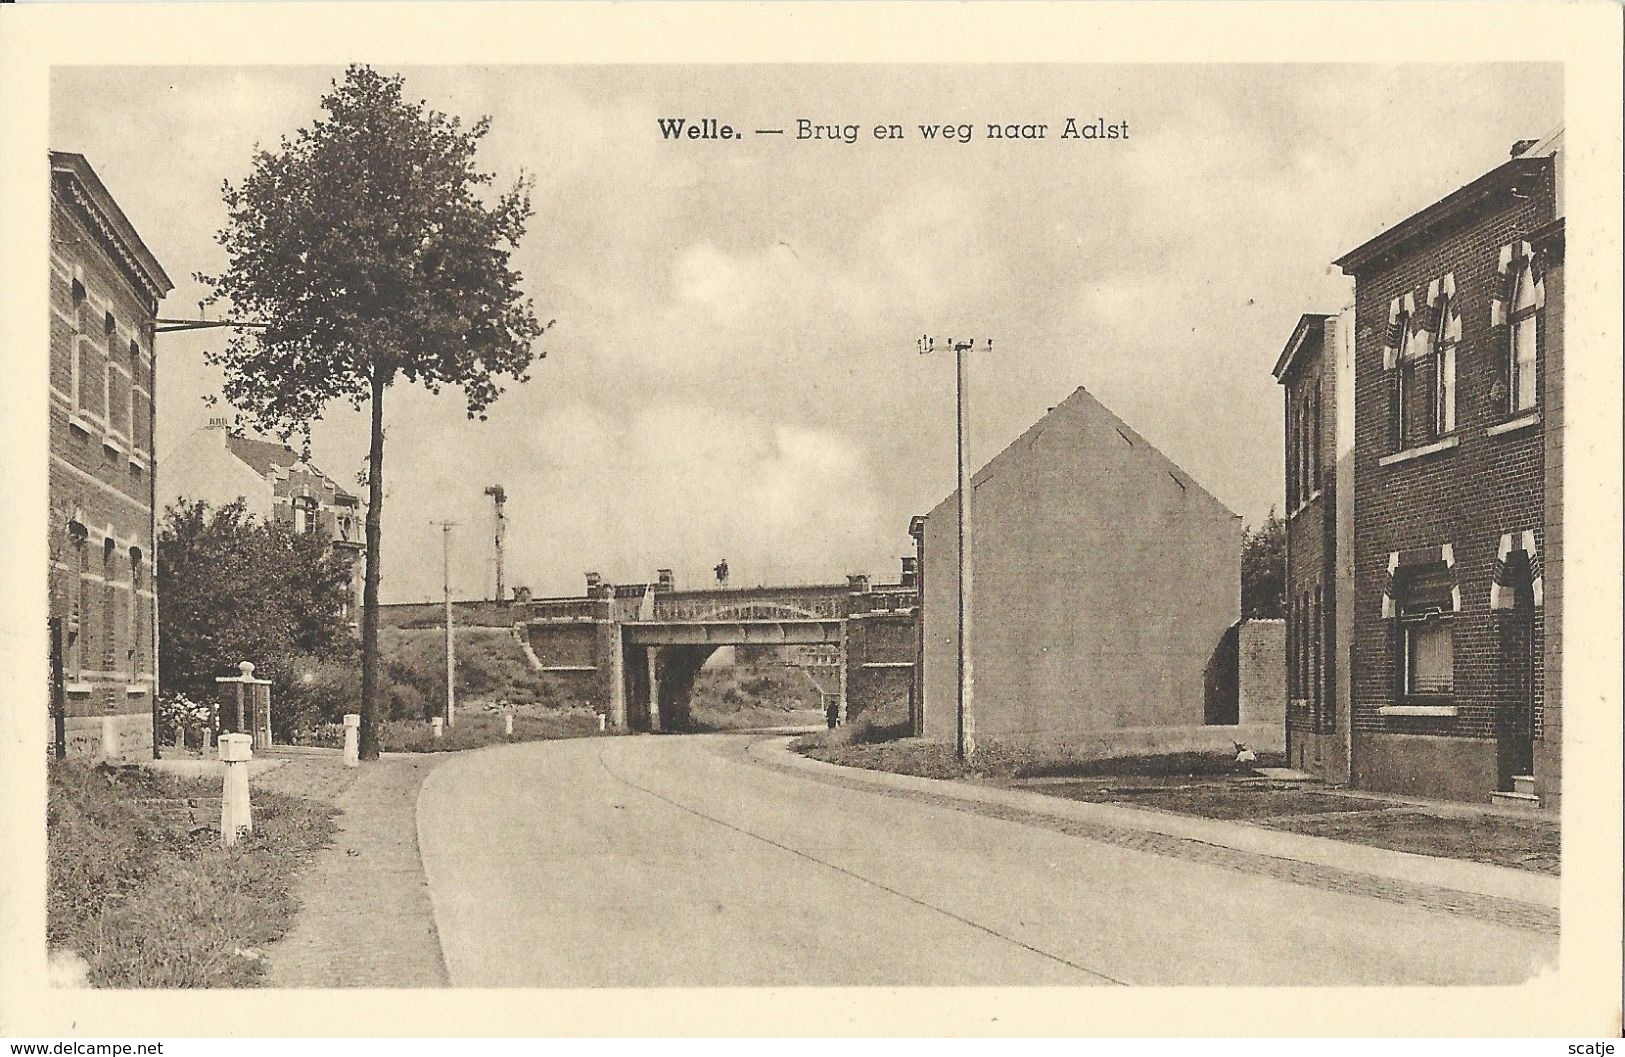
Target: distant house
1106	582
275	484
1316	373
1457	384
105	286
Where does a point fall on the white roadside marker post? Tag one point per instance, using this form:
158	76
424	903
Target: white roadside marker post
235	813
507	720
437	725
352	739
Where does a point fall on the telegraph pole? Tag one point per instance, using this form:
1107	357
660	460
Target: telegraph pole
498	497
965	744
451	652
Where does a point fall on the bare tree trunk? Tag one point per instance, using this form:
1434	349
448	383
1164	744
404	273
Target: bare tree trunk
369	591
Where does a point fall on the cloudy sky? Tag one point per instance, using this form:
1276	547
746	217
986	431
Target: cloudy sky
733	371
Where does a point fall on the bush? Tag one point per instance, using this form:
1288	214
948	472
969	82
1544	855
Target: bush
311	691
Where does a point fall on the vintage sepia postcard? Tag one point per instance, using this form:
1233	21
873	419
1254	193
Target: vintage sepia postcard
704	517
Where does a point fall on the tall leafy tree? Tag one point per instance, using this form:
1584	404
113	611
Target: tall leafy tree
235	589
374	250
1263	569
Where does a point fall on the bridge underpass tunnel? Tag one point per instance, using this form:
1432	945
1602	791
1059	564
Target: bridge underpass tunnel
670	670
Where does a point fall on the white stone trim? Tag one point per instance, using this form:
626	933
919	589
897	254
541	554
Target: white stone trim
1514	425
1443	444
1417	710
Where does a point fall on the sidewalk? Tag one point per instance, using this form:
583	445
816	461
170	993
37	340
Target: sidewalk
1516	897
364	917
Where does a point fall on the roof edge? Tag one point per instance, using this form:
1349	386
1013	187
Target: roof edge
1300	333
99	199
1451	205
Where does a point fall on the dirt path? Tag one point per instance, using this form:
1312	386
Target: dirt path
365	919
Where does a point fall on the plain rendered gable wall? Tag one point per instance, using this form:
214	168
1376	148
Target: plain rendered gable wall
1102	586
204	468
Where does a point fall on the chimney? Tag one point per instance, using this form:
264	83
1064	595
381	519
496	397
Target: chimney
593	580
1520	148
664	581
911	571
858	582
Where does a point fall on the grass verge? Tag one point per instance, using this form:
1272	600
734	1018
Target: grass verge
883	745
147	898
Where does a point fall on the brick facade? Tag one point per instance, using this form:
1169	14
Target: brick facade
1435	499
1312	371
104	293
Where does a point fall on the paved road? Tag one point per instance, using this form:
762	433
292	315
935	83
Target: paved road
681	861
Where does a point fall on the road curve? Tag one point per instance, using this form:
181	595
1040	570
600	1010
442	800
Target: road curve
679	861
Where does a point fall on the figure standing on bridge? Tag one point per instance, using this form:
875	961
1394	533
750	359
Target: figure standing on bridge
721	569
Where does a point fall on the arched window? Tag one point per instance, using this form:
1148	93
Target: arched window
137	609
1445	334
1524	350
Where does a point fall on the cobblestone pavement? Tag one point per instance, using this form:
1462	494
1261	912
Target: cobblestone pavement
1486	908
365	919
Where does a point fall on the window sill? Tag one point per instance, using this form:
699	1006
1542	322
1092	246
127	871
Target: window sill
79	688
1417	710
1514	425
1305	505
82	424
1417	453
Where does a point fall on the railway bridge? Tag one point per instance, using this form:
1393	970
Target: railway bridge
633	650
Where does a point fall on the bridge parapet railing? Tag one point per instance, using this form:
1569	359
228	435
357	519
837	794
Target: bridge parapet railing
883	600
790	607
560	609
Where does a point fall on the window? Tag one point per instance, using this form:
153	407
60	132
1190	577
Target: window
81	602
136	608
1426	633
1410	365
304	514
109	627
1429	664
1523	354
78	358
1444	355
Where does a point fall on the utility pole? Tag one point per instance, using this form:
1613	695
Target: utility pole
498	497
451	651
965	744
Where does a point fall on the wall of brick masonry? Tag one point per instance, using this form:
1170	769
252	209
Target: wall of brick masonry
1549	749
100	467
1466	496
880	655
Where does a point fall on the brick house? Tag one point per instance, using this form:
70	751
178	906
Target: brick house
276	485
1452	381
1315	371
1107	581
105	286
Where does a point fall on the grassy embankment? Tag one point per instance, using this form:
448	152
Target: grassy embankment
492	671
149	898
